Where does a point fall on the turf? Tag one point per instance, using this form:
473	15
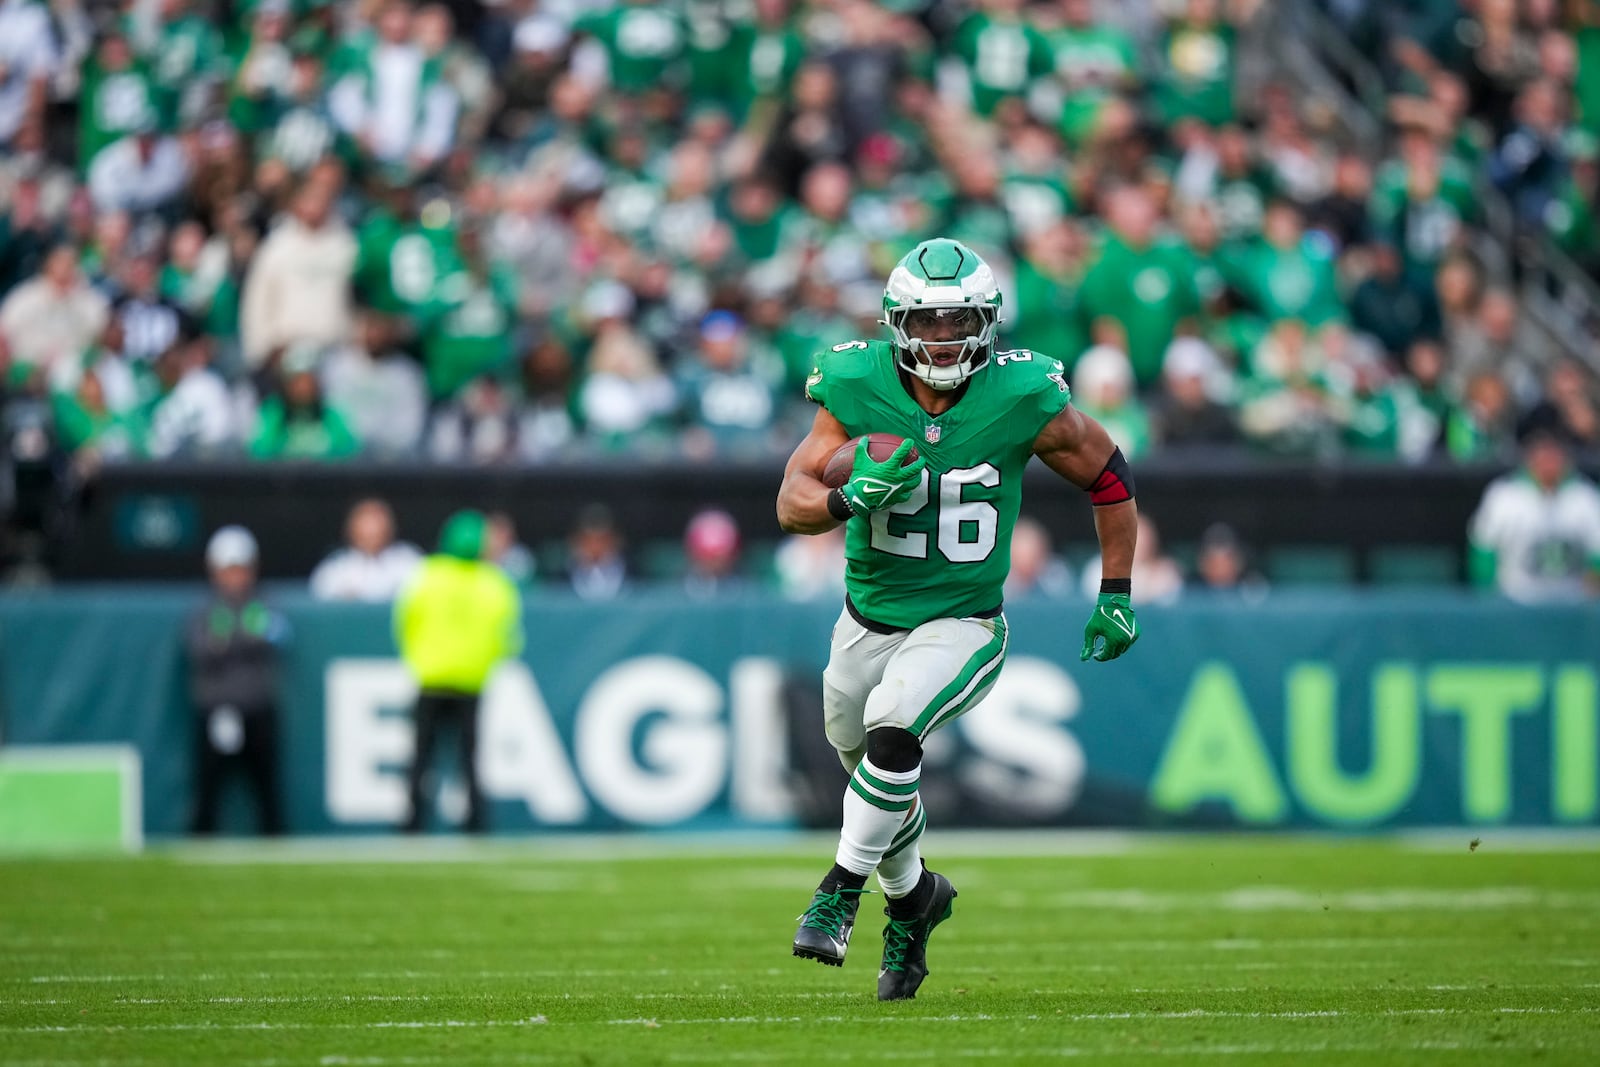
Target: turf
1203	950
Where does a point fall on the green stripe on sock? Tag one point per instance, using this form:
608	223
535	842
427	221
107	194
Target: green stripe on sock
993	650
877	801
900	790
917	826
909	827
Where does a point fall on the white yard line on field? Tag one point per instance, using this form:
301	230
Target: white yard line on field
1203	966
1291	898
605	848
761	1020
947	1053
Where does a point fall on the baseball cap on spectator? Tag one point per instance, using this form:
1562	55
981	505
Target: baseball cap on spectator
1190	357
218	134
721	326
712	535
770	278
537	33
301	357
231	546
879	149
1101	367
462	535
608	300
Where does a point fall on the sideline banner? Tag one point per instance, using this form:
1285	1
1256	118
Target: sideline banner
1334	710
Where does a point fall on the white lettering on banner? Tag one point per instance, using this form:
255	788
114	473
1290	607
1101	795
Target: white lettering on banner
653	745
520	753
366	747
685	756
1027	760
760	751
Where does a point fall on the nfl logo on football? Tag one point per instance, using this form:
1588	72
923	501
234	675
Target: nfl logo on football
931	434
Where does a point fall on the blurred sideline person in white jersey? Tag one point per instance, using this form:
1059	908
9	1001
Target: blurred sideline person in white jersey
373	565
1536	533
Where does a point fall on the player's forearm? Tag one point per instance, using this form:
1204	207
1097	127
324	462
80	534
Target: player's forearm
1117	526
803	505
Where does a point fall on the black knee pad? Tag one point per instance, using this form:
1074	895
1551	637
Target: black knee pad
891	748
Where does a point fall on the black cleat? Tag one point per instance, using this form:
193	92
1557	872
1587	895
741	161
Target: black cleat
905	942
824	932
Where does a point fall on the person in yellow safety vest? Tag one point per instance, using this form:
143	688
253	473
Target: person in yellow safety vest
456	618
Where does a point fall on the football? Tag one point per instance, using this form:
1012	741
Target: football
880	446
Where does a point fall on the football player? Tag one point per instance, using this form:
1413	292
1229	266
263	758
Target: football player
922	636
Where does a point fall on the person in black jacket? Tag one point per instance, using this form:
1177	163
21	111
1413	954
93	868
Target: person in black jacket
233	643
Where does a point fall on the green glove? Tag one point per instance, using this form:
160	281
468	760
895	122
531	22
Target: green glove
1114	621
874	486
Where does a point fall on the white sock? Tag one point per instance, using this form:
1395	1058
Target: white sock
876	804
901	867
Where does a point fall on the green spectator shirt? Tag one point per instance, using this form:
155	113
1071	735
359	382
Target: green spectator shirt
1002	58
1588	87
1045	317
215	301
631	202
766	61
473	335
1570	220
1034	202
1092	63
1293	283
644	43
1242	202
114	434
283	434
299	137
399	264
1128	426
254	107
112	105
188	50
1374	423
1423	229
1196	81
1148	291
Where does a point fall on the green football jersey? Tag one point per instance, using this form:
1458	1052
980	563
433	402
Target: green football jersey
944	552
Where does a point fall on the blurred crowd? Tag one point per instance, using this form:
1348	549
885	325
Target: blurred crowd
528	230
714	558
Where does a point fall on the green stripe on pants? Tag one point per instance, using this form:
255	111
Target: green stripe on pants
983	662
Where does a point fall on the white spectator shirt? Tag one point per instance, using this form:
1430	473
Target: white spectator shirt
196	417
298	289
392	104
352	575
384	398
27	52
46	327
119	180
1543	542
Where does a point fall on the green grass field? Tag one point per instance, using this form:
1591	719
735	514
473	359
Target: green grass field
1091	948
